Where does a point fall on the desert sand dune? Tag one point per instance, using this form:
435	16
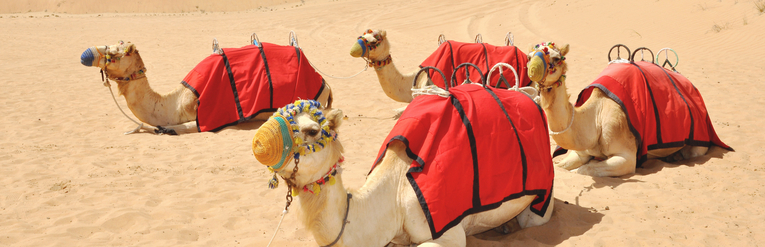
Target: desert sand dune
71	178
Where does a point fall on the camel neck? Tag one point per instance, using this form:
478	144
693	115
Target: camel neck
150	107
395	85
323	213
561	114
568	121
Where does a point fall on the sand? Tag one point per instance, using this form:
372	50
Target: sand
69	177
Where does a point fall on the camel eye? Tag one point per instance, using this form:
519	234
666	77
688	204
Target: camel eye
311	132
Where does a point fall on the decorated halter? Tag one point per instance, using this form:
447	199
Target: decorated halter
278	141
108	59
367	45
541	60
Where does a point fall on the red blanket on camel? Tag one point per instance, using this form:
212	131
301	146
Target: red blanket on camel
663	108
451	54
472	151
235	86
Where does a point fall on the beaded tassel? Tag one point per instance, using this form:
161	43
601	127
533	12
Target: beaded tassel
273	183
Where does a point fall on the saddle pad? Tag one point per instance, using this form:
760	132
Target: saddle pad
451	54
663	108
235	86
472	151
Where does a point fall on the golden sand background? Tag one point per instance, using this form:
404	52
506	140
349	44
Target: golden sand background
69	177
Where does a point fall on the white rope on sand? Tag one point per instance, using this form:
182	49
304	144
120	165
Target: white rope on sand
140	125
347	77
277	228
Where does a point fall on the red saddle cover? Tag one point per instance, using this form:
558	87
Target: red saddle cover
451	54
472	151
663	107
242	82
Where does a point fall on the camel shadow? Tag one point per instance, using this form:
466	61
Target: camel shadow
568	220
656	165
653	166
247	125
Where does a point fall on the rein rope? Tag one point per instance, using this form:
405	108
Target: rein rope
141	73
140	125
348	197
105	79
335	77
298	147
570	123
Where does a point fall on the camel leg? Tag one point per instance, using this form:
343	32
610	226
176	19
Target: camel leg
693	151
686	152
454	237
184	128
574	159
528	219
398	111
616	165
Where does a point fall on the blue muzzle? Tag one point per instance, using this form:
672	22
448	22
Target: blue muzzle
88	57
363	46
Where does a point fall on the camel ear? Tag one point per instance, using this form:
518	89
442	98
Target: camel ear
531	49
383	33
335	117
564	50
130	49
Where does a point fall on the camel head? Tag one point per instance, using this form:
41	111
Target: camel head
302	133
120	61
372	45
547	65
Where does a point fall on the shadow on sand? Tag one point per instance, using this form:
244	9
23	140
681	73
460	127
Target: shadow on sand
655	165
568	220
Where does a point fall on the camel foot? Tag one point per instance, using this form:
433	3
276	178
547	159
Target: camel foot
509	227
397	112
161	130
134	130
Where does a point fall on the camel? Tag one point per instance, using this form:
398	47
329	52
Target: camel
374	47
597	133
385	210
171	113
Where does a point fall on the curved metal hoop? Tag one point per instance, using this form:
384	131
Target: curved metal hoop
500	65
441	39
666	58
642	58
254	39
293	39
478	38
467	74
509	39
618	52
414	83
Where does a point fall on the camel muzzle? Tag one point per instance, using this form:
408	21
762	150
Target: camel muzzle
359	49
273	144
90	57
537	67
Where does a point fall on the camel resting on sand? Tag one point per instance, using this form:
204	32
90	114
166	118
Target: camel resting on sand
374	47
386	208
177	111
601	139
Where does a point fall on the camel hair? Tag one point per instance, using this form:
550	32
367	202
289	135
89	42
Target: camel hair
375	48
174	112
597	129
385	209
